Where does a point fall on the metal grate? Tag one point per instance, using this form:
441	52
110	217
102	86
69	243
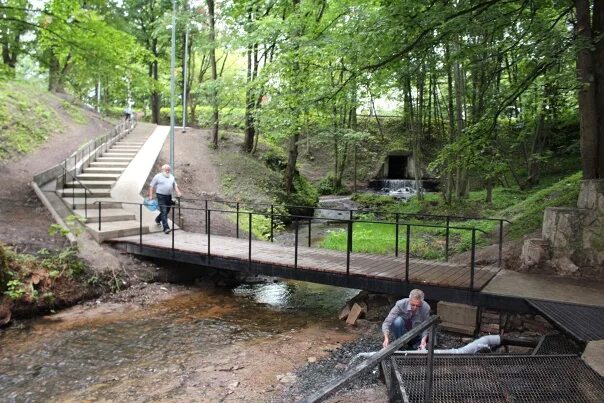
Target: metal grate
584	322
556	344
499	378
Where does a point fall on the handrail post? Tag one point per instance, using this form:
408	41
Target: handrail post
430	366
237	225
309	230
85	203
172	232
100	216
349	246
296	246
208	218
447	241
396	236
407	252
206	214
272	218
249	226
473	259
140	225
500	243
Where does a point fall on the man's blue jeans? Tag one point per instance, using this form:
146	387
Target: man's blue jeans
398	329
164	201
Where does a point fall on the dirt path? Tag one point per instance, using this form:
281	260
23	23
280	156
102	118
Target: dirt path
23	218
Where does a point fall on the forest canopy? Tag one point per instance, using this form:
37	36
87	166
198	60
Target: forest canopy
484	92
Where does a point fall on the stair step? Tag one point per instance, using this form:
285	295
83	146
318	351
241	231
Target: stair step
103	170
98	176
90	184
116	229
108	164
114	159
126	147
79	192
111	154
106	203
107	215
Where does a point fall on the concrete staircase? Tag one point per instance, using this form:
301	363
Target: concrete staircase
94	184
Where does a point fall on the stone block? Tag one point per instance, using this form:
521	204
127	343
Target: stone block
491	329
594	356
534	251
459	314
354	314
591	196
457	328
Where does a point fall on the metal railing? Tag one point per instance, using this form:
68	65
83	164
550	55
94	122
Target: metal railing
351	217
349	223
86	191
81	158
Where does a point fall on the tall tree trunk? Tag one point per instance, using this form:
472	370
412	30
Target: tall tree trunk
460	181
591	136
250	101
214	73
155	94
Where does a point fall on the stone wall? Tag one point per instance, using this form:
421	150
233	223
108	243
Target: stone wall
572	240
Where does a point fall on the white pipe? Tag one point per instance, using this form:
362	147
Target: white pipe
483	343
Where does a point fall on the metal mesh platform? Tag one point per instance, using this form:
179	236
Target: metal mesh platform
584	322
498	378
554	344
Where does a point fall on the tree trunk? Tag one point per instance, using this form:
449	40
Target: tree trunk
292	158
588	105
155	95
214	73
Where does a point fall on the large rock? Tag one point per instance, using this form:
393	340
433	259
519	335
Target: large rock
572	241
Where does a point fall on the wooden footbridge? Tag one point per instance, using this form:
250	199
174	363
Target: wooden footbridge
378	273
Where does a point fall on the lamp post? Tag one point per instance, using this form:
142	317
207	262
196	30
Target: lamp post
172	86
184	84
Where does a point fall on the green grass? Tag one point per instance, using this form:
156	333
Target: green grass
74	113
25	119
523	208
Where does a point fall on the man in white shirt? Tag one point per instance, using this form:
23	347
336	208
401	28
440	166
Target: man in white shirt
164	185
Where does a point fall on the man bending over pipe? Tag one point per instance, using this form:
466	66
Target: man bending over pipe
406	314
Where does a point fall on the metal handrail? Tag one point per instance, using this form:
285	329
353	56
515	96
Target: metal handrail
87	190
349	223
351	212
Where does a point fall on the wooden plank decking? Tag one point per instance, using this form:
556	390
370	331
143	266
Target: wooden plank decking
441	274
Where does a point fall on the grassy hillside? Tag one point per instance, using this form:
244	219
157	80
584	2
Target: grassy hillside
29	115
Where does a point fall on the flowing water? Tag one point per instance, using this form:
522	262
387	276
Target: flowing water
47	359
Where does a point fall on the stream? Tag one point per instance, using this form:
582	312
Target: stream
86	355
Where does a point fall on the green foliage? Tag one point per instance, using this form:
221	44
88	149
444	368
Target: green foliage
15	289
326	187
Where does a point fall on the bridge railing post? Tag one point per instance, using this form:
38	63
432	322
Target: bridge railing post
173	228
249	237
309	231
272	221
296	246
407	252
237	224
500	243
447	241
396	236
473	259
140	225
349	246
206	215
208	225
